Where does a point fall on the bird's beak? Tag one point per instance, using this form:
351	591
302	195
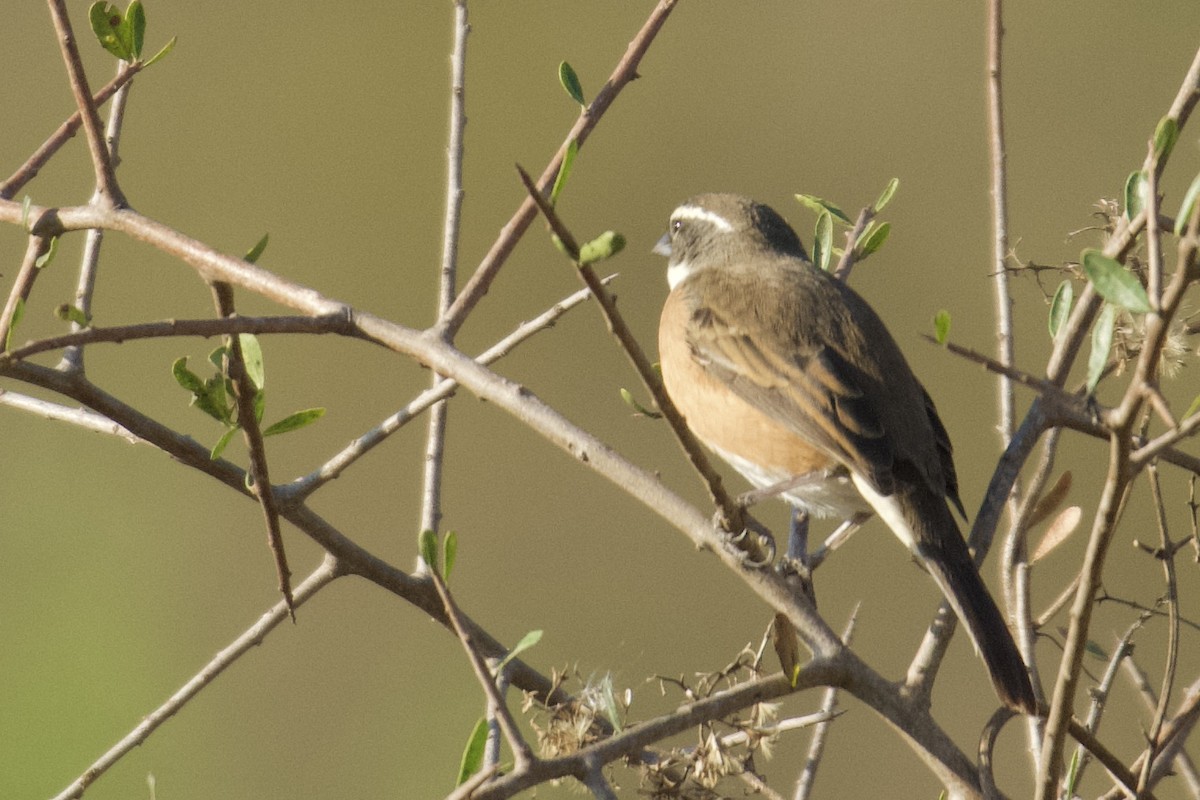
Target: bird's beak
663	246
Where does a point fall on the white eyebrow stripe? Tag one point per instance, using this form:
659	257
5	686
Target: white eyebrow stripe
697	213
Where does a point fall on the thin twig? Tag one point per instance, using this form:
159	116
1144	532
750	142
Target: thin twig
846	262
1172	601
522	755
1183	762
1099	694
245	394
252	637
83	418
735	517
35	248
106	178
1005	349
300	488
820	735
625	71
29	170
89	261
205	328
435	439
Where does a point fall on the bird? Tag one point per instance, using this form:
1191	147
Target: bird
788	374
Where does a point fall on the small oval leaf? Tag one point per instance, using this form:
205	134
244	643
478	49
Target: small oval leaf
886	196
223	442
1059	531
1165	136
570	82
873	239
110	29
941	326
427	542
1102	333
1114	283
818	205
254	253
473	753
1060	306
450	552
1186	207
1136	186
527	641
564	171
48	256
167	48
252	357
823	241
292	422
606	245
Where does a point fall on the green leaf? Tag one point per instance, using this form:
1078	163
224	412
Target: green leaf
111	30
570	82
213	400
217	357
1165	136
295	421
941	326
872	239
606	245
564	171
1102	333
252	255
223	442
527	641
818	205
48	256
472	757
1193	408
1072	774
823	241
428	546
1136	186
1060	306
1114	283
1185	209
70	313
886	196
168	47
450	551
135	19
185	377
640	409
18	313
252	356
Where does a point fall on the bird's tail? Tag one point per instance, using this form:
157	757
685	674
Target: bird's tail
946	556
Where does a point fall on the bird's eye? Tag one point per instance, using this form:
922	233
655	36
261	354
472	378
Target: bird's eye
676	225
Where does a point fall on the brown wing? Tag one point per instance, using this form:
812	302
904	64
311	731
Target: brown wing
811	388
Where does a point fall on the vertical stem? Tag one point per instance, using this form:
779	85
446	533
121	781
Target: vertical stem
435	445
1004	343
72	360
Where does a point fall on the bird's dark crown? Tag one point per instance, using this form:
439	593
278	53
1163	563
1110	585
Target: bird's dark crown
716	227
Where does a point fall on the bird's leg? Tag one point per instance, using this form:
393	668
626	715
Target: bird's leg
794	566
754	543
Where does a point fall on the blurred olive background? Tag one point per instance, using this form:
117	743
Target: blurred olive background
122	573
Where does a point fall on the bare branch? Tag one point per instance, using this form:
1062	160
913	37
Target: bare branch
253	636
